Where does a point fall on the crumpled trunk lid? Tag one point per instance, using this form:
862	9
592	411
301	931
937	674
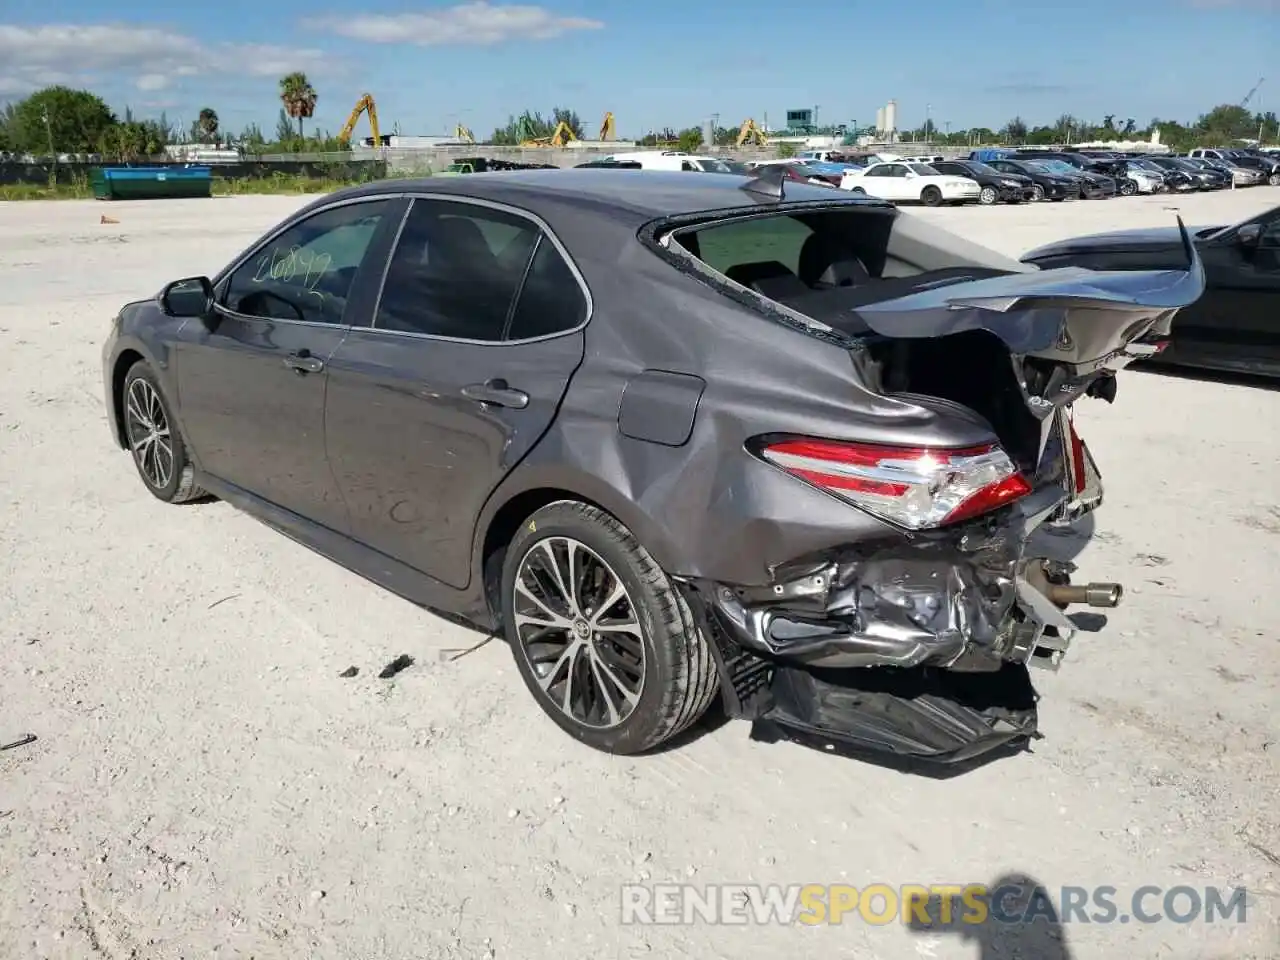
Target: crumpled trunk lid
1070	315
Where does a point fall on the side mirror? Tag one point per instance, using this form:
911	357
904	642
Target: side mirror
192	297
1249	235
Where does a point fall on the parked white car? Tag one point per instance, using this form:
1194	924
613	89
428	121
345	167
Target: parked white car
669	160
910	182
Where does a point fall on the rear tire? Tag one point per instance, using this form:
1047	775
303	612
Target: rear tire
154	440
1128	188
988	196
645	675
1274	180
1037	192
931	197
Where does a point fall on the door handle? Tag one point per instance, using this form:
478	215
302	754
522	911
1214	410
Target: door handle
496	393
303	362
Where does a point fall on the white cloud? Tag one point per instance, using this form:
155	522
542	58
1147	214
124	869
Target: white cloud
34	57
475	24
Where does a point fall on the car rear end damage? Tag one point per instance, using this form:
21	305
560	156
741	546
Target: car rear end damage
915	640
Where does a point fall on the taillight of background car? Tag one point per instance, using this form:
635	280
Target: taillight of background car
914	487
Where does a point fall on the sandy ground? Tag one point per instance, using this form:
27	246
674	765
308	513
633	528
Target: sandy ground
204	783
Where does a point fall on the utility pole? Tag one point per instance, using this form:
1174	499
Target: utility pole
53	153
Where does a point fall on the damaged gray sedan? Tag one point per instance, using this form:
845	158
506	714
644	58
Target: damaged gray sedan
679	438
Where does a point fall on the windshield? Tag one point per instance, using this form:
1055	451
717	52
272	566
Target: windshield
733	166
711	165
923	169
982	168
1056	166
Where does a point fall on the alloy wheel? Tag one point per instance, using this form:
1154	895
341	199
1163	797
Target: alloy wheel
579	630
1037	192
149	433
988	195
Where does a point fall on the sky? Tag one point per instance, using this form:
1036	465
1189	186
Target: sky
653	63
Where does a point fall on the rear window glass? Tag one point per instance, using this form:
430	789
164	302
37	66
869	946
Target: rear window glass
783	256
777	239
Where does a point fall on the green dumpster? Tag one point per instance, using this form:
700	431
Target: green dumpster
151	183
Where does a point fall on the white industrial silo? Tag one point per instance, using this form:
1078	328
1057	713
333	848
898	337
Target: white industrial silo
709	133
891	117
880	122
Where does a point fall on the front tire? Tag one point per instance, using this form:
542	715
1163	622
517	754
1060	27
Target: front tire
602	638
988	196
1037	193
1274	179
931	197
154	440
1128	188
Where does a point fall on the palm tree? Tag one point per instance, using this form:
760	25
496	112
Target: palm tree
207	123
298	97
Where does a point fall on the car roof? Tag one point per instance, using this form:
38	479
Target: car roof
632	197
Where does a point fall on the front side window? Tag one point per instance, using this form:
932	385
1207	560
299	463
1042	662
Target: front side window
306	273
455	271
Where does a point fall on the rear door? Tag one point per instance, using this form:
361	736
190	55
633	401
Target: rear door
252	382
479	327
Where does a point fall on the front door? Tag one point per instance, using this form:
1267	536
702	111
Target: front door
478	330
252	380
1237	321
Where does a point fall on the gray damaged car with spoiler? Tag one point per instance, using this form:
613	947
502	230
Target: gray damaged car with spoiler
678	438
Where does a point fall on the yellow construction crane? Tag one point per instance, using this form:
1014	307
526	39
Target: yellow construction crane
750	133
606	127
364	105
462	133
562	135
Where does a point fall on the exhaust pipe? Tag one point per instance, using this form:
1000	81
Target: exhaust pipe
1092	594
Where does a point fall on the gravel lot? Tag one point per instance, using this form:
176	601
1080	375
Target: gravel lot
205	783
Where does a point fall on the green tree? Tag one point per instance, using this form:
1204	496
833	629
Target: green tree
569	118
207	125
1015	130
689	140
72	121
284	128
299	97
534	126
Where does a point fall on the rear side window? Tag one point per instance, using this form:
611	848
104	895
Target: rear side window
551	300
769	239
455	271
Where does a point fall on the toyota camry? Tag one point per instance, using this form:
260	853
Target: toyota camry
676	438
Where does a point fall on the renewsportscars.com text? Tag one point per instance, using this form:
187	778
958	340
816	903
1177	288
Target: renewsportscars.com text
946	904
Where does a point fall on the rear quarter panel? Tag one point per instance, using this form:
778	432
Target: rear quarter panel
707	508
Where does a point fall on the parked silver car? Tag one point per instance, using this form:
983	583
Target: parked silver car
1240	176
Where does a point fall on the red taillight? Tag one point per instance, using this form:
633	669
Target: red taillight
915	487
1079	479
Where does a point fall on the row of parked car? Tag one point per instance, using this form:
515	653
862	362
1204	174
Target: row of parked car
993	176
